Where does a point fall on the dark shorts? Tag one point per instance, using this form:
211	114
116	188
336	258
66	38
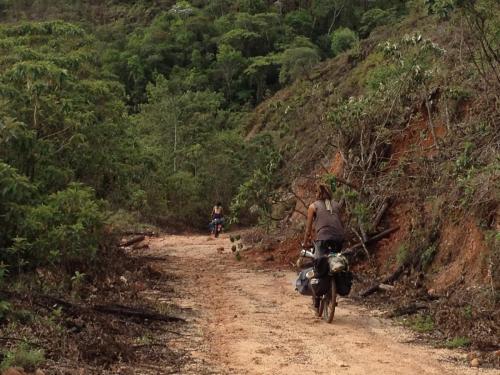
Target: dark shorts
324	247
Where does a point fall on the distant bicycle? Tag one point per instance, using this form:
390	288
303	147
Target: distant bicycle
216	226
217	222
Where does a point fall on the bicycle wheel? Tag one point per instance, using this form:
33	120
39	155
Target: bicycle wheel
329	302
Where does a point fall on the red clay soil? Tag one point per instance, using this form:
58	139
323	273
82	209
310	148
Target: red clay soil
462	252
304	187
416	140
386	249
337	165
277	255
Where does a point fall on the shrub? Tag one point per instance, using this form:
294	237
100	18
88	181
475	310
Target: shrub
4	305
428	256
66	229
442	8
457	342
373	18
15	191
300	21
23	356
343	39
403	254
5	308
297	62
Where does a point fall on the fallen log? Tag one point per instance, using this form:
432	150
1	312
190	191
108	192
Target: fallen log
151	258
386	287
135	313
388	280
140	246
354	249
408	310
120	310
133	241
147	233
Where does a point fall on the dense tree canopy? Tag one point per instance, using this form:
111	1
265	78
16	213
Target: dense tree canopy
142	106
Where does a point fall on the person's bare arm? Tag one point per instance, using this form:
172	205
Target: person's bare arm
310	217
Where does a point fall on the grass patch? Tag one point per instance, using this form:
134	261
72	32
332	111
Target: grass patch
421	323
403	254
467	312
457	342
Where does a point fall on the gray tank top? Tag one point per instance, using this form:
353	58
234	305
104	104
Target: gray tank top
327	224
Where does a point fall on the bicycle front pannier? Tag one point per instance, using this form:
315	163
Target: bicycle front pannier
303	284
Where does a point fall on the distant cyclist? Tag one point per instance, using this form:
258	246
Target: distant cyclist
217	211
217	221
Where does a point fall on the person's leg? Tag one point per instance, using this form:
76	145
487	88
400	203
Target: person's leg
320	249
320	258
316	302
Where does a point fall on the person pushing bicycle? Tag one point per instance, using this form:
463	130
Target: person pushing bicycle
324	215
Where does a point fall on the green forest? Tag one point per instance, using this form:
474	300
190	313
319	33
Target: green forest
120	115
137	110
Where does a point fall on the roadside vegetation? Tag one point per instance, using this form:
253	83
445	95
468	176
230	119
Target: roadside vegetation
116	113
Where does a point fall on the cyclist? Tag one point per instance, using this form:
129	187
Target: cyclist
324	214
217	211
217	216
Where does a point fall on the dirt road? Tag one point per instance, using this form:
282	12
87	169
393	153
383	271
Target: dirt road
246	321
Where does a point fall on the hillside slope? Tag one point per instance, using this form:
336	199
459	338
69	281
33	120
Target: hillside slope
412	120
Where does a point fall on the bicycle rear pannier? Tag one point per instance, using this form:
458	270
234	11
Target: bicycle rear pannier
320	286
343	281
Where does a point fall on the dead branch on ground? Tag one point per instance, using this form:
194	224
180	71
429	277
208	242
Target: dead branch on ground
133	241
381	212
388	280
408	310
114	309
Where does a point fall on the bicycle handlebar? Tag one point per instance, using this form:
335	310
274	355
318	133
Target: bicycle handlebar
306	253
